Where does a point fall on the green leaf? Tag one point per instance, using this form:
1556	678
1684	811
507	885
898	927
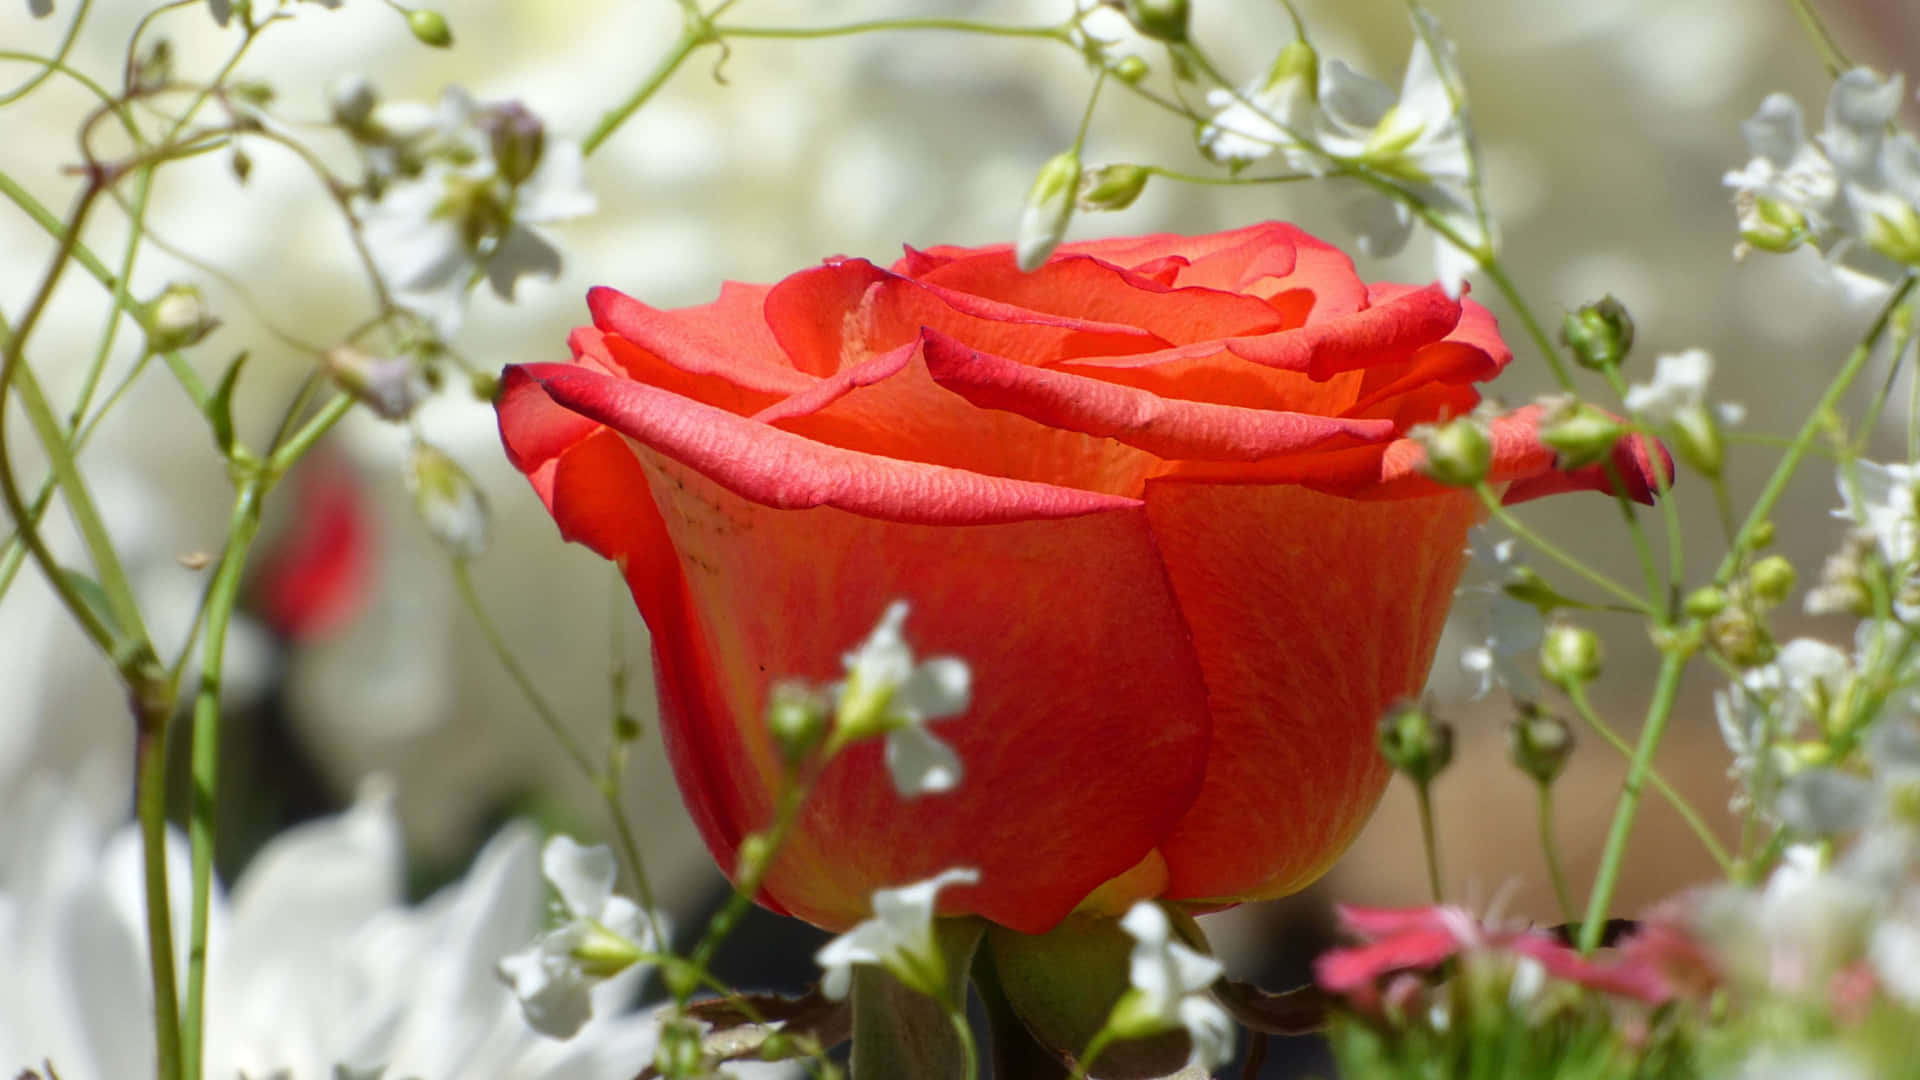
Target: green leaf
899	1032
220	405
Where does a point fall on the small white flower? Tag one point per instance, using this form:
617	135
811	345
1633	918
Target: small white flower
1894	951
449	502
899	938
432	237
1679	385
886	692
1853	192
1169	990
1418	139
1254	122
1508	631
1884	504
602	936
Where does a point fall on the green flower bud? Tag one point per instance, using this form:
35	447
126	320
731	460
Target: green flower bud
391	386
177	318
755	850
1112	187
484	385
1772	580
1459	453
1697	438
1582	435
1043	223
449	502
1738	635
679	1055
778	1046
627	727
1414	743
1539	742
1771	225
517	139
797	717
1705	602
430	28
1130	70
1600	334
1762	536
603	953
1570	656
1896	234
1161	20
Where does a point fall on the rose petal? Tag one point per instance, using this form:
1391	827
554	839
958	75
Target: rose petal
727	339
1167	427
1310	613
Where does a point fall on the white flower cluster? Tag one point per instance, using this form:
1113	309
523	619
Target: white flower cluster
1416	139
1852	192
458	188
886	692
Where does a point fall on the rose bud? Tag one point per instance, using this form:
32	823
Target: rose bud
1158	494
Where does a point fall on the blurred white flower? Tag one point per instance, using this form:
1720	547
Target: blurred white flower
1679	384
899	938
1507	632
315	961
1419	139
1254	122
887	693
1049	206
434	236
1169	984
601	935
1853	192
1882	499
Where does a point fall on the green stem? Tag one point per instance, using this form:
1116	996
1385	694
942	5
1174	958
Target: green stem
792	797
243	524
1803	440
963	26
1561	894
1491	500
1423	798
1095	1047
969	1052
1830	53
1583	705
1497	274
694	36
150	801
1666	687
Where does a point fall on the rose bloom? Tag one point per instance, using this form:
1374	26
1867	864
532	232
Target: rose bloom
1158	493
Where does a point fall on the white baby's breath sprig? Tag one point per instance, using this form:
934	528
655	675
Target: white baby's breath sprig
899	937
886	693
1168	990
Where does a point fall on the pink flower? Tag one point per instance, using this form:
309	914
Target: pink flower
1400	940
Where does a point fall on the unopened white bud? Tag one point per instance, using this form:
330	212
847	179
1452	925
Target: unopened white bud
1049	207
452	507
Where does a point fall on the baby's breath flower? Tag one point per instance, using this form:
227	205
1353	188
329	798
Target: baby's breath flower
887	693
1168	990
898	938
602	935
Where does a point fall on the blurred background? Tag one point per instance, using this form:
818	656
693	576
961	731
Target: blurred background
1606	127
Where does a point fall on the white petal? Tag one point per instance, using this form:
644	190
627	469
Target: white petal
1858	111
557	190
554	996
583	876
1211	1030
938	687
883	659
1380	225
920	763
520	253
1353	101
1776	131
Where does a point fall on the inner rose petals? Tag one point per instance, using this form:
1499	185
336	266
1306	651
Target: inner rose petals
874	311
1103	291
727	340
1167	427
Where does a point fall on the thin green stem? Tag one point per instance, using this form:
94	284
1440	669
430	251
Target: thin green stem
1551	850
1804	439
1583	705
150	801
1902	335
1497	274
1666	688
1423	798
57	63
463	581
869	26
793	796
1095	1047
969	1051
1831	56
1225	181
1491	500
694	36
242	526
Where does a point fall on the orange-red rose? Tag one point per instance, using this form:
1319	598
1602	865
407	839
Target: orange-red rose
1157	493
